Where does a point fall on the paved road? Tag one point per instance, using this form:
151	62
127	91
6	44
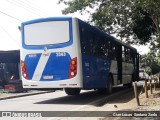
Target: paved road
55	101
59	101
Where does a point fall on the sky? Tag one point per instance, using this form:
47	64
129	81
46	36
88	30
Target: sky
14	12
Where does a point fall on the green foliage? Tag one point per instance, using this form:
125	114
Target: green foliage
126	18
150	62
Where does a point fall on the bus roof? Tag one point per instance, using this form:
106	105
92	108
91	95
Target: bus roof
46	19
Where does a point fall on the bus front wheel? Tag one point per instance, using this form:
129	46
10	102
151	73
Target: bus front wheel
72	91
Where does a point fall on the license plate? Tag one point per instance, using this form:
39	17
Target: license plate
48	77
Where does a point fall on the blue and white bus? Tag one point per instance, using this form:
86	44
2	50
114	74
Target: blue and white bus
65	52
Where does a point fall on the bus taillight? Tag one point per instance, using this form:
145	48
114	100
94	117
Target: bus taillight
73	68
24	70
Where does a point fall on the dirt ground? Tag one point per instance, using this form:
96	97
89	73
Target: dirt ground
127	102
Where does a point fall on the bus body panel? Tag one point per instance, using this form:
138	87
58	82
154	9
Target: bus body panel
95	72
128	70
114	72
52	70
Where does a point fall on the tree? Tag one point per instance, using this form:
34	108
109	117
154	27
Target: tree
136	21
150	62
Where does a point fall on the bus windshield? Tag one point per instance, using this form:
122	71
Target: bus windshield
47	33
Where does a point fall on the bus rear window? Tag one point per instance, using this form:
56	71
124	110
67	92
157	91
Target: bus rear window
47	33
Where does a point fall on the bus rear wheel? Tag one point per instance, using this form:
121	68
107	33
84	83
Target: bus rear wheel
129	85
72	91
109	85
107	90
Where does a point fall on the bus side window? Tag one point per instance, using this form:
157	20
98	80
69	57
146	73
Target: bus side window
131	56
82	40
95	46
110	50
127	54
114	53
84	36
106	49
123	54
103	47
89	36
100	48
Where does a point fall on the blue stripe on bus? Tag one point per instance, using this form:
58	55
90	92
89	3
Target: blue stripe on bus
54	46
57	67
31	61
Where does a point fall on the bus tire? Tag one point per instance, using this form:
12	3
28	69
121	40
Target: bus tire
129	85
109	84
72	91
107	90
